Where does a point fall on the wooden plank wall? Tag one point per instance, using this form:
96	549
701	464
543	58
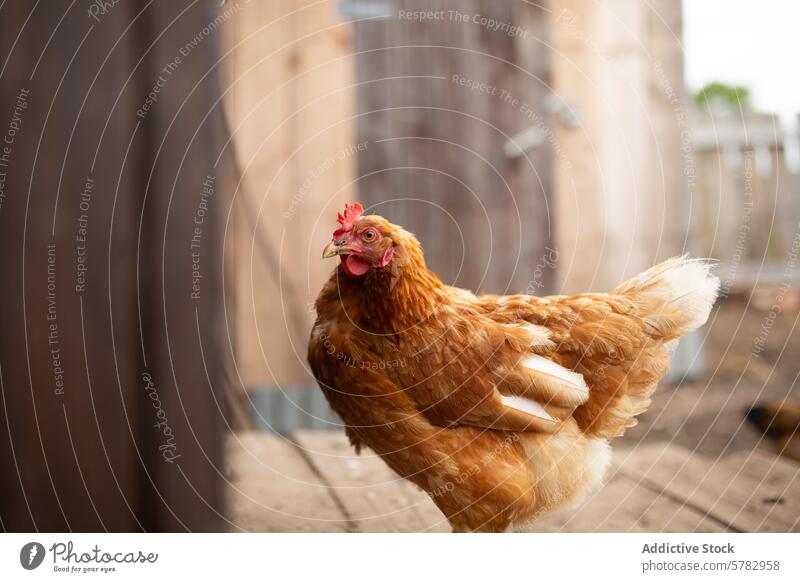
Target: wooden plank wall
435	161
112	377
290	105
622	196
43	413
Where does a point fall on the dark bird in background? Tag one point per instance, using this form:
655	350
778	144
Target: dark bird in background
779	421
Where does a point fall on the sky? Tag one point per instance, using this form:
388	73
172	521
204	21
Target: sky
755	43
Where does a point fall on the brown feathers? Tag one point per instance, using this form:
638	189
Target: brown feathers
498	407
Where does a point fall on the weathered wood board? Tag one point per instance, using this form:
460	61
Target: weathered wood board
373	496
622	505
741	491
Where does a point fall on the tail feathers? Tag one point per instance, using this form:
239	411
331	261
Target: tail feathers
674	297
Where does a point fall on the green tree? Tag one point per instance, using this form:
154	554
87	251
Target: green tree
728	95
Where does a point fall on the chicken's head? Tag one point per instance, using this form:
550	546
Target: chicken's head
361	242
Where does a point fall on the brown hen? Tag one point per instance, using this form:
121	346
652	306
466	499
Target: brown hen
499	407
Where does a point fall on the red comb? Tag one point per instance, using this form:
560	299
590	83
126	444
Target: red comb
352	212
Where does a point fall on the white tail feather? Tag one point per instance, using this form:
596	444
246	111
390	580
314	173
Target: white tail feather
685	283
694	289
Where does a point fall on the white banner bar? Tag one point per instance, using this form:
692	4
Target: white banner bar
401	557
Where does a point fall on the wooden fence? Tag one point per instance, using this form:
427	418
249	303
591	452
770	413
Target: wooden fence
747	200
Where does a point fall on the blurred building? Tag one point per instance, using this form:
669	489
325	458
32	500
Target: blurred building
748	195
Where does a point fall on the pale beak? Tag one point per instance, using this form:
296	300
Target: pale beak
331	250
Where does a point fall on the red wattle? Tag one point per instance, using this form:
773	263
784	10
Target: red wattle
354	266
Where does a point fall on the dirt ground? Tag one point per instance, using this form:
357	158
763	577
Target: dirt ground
752	355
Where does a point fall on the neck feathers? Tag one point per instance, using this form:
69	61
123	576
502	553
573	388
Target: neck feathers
394	298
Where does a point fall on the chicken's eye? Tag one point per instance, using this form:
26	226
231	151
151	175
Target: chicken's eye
368	235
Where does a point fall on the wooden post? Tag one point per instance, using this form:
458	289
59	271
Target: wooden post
113	379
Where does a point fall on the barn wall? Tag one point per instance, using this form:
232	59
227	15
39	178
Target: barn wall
290	94
438	99
622	192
